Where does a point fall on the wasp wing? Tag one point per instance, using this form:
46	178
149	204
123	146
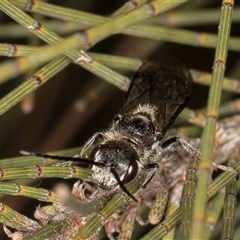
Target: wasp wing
166	84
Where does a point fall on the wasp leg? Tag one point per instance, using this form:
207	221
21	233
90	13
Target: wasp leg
89	143
112	226
79	191
226	169
177	140
153	168
195	153
155	195
128	224
123	223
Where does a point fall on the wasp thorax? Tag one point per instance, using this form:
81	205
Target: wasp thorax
138	126
118	156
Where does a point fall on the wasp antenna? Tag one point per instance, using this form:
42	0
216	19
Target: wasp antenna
63	158
122	185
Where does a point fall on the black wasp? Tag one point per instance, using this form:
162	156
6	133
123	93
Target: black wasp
159	91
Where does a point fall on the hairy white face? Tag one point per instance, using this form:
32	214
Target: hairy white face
121	162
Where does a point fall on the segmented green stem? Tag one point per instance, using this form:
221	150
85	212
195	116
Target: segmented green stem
229	211
211	118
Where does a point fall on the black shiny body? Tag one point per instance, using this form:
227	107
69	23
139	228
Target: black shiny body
158	92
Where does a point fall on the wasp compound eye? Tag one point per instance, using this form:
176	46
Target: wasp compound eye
131	172
95	154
